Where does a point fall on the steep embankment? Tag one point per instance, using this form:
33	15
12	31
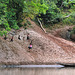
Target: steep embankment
46	48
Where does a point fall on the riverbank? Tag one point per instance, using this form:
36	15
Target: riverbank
47	48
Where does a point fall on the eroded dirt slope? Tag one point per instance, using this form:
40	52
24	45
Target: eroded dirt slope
46	48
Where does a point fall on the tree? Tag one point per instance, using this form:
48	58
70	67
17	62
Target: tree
51	14
32	8
10	14
3	17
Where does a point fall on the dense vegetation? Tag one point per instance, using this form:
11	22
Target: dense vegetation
13	12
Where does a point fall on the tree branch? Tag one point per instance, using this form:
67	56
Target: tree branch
67	16
61	18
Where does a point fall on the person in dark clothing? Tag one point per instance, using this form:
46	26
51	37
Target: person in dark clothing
28	36
23	38
5	37
19	37
30	46
12	38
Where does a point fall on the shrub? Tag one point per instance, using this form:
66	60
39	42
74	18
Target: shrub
74	30
69	20
28	22
1	33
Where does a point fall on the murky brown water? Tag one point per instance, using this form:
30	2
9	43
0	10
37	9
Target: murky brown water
37	71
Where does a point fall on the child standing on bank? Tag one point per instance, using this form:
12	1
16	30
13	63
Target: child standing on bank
30	46
28	36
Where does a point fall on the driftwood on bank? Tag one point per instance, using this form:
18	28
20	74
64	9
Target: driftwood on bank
41	25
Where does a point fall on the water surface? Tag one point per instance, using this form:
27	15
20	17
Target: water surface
37	71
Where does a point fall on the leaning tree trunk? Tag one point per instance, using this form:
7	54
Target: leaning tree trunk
41	25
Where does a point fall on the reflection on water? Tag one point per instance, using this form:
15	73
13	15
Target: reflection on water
37	71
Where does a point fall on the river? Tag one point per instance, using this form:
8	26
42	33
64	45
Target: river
37	71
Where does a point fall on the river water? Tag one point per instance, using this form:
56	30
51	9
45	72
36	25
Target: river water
37	71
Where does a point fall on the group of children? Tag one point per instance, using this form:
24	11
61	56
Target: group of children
28	38
5	37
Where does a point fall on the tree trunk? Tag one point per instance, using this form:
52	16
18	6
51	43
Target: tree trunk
41	25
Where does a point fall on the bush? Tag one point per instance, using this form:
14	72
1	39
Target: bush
15	27
5	32
74	30
1	33
25	25
69	20
28	22
8	29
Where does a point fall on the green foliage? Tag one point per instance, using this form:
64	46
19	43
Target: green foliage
1	33
51	14
67	21
31	9
3	17
73	31
55	12
12	12
42	8
8	28
29	22
5	32
73	14
65	4
3	11
25	25
71	3
11	17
